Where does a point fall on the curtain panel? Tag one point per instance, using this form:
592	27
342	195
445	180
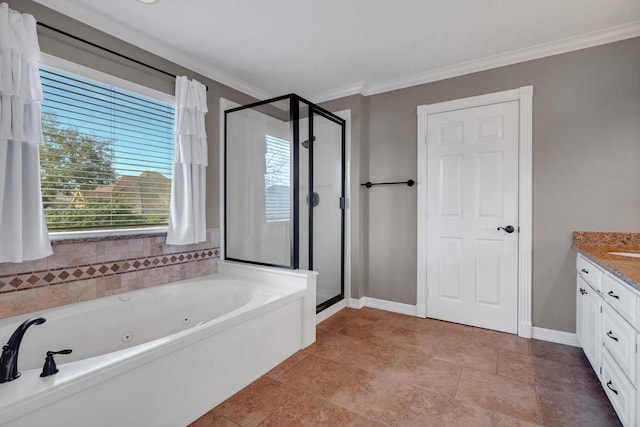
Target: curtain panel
23	230
187	220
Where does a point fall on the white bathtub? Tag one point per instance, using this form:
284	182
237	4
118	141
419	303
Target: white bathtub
161	356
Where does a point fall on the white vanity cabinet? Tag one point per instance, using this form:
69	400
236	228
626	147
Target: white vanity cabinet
588	323
607	325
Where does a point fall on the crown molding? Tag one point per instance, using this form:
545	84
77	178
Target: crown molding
90	17
569	44
353	89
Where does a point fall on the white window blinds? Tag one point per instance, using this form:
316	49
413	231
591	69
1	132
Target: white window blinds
107	157
277	179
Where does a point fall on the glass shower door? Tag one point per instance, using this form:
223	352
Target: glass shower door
327	201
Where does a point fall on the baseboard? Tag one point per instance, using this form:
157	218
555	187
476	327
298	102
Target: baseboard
559	337
380	304
356	303
330	311
525	330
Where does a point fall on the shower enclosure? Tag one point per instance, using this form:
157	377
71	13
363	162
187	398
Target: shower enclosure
284	186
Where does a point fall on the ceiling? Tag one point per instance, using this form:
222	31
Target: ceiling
324	49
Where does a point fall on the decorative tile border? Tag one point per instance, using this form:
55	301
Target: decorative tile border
56	276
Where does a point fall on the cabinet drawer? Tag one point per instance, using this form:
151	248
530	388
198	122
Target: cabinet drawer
589	272
619	296
619	339
619	390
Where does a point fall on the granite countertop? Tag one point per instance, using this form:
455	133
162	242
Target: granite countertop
597	245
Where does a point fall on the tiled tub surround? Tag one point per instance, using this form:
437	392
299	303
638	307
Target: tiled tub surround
80	270
597	245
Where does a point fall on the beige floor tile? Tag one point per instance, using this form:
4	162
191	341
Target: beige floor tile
415	342
375	397
367	330
557	352
282	368
559	409
500	340
499	394
402	321
517	366
309	411
447	329
501	420
378	368
370	356
317	375
329	344
213	419
255	402
468	355
427	373
432	409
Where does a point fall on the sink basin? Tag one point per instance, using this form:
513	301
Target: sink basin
629	254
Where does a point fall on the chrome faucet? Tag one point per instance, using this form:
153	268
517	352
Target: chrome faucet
9	358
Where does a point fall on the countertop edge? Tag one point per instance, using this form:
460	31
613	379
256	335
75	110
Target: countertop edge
608	268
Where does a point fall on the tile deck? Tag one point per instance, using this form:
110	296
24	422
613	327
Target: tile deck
374	368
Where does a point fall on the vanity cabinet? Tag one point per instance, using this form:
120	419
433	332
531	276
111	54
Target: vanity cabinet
607	325
589	303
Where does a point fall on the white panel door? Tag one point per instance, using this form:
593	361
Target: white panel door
472	190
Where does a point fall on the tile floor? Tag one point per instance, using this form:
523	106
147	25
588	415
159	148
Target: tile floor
375	368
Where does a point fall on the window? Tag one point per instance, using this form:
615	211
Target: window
277	179
107	158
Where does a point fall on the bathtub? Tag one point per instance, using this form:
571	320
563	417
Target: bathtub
161	356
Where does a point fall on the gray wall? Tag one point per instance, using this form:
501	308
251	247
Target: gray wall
586	167
586	155
359	165
66	48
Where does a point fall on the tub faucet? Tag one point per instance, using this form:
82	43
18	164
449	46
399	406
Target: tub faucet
9	358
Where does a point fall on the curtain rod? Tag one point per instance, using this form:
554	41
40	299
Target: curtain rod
128	58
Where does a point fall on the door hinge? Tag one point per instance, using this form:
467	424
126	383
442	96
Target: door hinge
426	215
343	203
600	369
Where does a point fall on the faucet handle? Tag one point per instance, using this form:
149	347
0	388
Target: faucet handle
65	351
50	367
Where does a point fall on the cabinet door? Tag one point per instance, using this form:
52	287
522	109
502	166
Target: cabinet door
592	329
581	296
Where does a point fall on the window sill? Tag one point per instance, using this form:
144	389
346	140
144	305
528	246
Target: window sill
58	238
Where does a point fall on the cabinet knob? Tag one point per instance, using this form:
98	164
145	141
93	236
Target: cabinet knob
611	388
585	271
612	295
583	292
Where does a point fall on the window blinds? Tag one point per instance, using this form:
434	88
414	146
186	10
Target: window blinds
107	156
277	179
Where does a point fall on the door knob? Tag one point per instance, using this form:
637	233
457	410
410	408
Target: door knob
508	228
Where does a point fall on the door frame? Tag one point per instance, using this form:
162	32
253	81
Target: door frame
524	96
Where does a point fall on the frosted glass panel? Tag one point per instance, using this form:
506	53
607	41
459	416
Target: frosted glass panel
259	178
327	215
284	189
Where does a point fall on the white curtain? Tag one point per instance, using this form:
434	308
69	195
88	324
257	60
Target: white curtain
23	231
187	222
